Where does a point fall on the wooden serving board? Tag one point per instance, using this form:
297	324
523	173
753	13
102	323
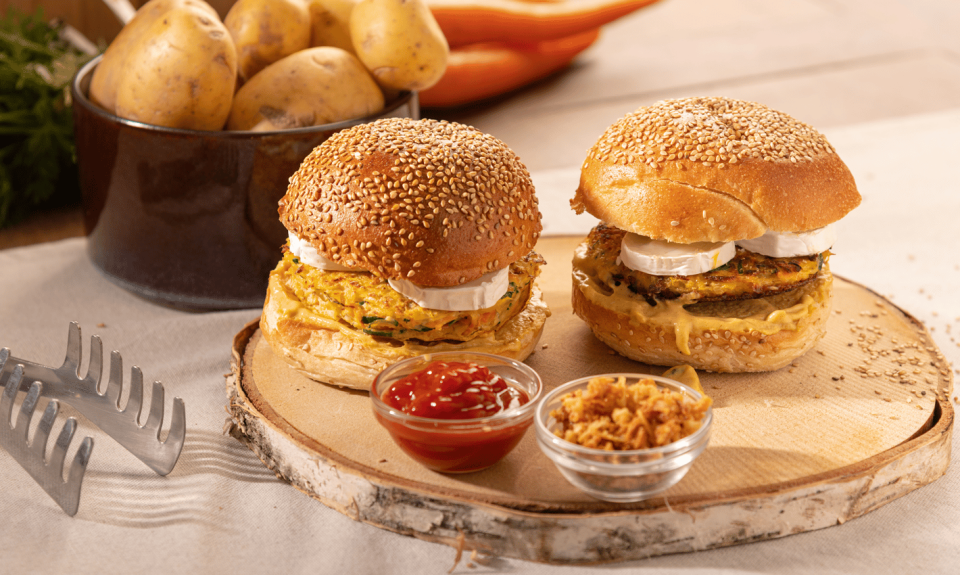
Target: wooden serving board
862	419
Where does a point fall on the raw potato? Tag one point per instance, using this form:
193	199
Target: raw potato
103	84
180	73
312	87
400	42
330	23
265	31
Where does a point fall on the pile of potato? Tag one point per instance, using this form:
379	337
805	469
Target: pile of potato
269	65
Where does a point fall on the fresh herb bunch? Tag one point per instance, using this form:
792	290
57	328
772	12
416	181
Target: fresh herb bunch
37	154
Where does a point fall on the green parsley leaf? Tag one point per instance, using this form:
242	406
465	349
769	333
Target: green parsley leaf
37	153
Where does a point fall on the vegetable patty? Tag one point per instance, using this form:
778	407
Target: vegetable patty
370	305
747	275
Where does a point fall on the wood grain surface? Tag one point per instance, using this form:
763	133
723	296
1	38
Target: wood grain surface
859	421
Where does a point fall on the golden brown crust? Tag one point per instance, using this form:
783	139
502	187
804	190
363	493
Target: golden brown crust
436	203
713	169
345	357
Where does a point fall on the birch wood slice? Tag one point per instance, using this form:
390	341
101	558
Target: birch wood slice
860	420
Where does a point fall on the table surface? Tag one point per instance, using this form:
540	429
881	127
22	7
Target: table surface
880	78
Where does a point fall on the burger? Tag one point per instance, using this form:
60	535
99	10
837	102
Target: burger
406	237
717	219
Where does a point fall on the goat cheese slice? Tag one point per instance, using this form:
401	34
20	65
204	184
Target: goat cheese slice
663	258
480	293
791	244
310	256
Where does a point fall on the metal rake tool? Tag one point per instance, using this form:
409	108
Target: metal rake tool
32	456
102	407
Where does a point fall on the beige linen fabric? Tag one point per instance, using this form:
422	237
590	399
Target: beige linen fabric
221	511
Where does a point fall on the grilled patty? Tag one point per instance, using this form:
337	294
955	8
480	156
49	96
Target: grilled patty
369	304
747	275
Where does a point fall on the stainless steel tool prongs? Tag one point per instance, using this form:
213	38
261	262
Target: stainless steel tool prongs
48	473
101	404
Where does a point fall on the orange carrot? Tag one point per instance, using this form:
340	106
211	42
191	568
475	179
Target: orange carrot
467	22
484	70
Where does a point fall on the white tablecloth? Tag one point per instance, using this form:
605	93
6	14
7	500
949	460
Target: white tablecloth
221	511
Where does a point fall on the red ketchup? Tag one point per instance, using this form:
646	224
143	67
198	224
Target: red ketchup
458	392
453	390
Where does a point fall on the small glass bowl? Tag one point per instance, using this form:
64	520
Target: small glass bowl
620	476
458	445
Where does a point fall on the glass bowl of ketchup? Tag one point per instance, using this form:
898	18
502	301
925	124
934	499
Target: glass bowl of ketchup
456	412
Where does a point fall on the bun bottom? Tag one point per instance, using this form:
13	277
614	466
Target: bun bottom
339	355
750	336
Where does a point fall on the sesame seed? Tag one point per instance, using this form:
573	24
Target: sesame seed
473	177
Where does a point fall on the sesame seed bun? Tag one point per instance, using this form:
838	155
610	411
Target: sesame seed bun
436	203
713	169
709	170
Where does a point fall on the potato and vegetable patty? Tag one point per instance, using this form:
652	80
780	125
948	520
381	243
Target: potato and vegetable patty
370	305
747	275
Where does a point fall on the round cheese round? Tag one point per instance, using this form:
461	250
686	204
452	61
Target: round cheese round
480	293
663	258
791	244
310	256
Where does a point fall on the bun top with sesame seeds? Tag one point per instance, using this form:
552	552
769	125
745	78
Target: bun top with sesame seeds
436	203
713	169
